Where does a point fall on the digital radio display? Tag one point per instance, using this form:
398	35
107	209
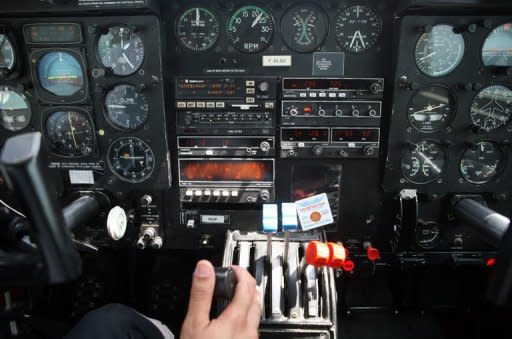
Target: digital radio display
226	170
210	88
355	135
53	33
325	84
305	134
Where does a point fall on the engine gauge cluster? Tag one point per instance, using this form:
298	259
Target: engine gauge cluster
304	27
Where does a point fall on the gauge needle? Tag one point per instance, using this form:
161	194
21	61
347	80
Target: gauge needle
255	22
430	108
197	16
357	35
116	106
127	60
430	162
72	130
428	56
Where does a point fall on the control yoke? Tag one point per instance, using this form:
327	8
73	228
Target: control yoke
23	162
495	227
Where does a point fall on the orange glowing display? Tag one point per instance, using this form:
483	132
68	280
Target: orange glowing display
226	170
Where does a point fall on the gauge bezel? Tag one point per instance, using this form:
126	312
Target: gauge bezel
106	113
488	85
109	69
274	31
319	10
48	97
445	164
177	20
13	72
122	178
448	122
335	30
45	115
454	69
499	170
21	93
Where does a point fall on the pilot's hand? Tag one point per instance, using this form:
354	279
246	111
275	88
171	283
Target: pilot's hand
240	319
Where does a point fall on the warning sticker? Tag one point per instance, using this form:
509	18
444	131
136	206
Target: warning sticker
314	212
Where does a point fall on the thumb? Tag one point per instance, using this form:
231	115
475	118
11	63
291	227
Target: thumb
201	294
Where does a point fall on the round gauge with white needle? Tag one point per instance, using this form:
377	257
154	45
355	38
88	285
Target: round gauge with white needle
481	162
121	50
431	109
358	28
197	29
250	29
70	133
423	162
127	108
131	159
116	223
491	107
304	27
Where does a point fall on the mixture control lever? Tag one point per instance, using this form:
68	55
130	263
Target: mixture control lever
225	283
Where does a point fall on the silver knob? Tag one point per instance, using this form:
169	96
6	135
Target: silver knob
264	195
265	146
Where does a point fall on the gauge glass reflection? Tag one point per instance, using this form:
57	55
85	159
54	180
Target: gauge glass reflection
15	112
423	162
481	163
492	107
431	109
60	73
497	48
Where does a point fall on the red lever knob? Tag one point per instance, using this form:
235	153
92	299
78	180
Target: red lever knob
372	253
317	254
337	255
348	266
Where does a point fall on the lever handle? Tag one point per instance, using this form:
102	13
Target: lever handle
225	283
23	162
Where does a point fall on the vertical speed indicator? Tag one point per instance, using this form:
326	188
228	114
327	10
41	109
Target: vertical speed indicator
197	29
250	29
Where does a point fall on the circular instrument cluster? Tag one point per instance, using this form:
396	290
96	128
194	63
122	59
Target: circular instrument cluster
497	48
431	109
304	28
423	162
492	107
481	162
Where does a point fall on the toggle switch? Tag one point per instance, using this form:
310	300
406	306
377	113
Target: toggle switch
372	253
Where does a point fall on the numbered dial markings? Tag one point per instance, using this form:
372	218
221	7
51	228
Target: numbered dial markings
131	159
423	162
7	55
250	29
126	107
70	133
431	109
358	28
15	112
439	52
304	28
491	108
481	163
197	29
121	50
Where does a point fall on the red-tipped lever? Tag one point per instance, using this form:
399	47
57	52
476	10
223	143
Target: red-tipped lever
372	253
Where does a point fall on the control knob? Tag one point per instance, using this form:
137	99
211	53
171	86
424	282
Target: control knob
368	151
376	88
294	112
265	146
321	112
338	112
264	86
317	150
265	195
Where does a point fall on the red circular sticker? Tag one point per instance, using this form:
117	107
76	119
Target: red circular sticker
315	216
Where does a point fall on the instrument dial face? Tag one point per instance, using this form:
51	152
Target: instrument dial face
482	162
70	133
126	107
131	159
304	28
423	162
431	109
198	29
439	52
7	55
61	74
121	50
15	112
492	107
358	28
250	29
497	49
428	235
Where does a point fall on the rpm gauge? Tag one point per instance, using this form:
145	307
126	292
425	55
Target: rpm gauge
127	108
304	27
358	28
250	29
7	55
70	133
492	107
121	50
482	162
197	29
439	51
15	112
431	109
423	162
497	48
131	159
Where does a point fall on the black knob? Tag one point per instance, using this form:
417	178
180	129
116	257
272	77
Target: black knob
321	112
225	283
317	150
264	86
369	151
376	88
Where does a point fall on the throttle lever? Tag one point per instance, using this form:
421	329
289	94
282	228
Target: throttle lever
225	283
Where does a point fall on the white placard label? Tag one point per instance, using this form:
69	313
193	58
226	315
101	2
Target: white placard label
314	212
81	177
277	61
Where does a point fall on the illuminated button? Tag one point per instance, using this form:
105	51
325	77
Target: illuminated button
303	95
269	104
250	100
342	95
210	105
200	105
225	193
322	95
234	193
207	193
312	95
189	193
250	91
191	104
220	105
249	83
198	193
181	104
216	193
332	95
307	109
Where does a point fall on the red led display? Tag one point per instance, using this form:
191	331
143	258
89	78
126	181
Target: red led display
226	170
